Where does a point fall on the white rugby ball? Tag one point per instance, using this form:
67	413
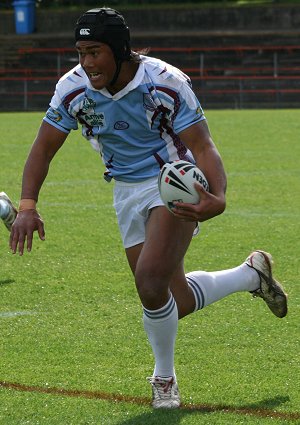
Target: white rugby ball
176	183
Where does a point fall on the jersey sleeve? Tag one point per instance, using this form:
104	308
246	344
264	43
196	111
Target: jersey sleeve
189	111
58	113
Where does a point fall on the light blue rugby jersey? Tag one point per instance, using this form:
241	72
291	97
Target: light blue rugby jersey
135	130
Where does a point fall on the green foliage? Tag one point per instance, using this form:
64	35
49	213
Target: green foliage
70	318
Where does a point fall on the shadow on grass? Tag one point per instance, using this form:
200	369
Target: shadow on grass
6	282
268	403
160	416
261	409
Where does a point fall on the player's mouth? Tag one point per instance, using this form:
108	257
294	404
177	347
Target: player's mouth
94	76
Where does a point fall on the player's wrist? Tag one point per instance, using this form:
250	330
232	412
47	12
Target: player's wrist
27	204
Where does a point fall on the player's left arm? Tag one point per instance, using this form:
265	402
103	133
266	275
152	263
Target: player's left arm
198	139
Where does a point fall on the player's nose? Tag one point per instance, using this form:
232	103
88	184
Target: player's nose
88	61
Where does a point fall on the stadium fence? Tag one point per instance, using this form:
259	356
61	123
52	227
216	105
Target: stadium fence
226	77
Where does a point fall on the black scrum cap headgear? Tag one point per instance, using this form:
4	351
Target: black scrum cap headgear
108	26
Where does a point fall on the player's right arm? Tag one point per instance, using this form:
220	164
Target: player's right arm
48	141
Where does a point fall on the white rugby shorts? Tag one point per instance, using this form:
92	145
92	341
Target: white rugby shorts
133	203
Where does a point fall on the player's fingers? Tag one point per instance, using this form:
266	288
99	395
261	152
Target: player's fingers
13	241
182	206
203	194
200	189
41	230
19	244
29	242
184	214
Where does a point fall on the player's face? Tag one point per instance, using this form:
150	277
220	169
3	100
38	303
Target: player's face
98	61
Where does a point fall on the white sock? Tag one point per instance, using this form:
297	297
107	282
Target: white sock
161	327
209	287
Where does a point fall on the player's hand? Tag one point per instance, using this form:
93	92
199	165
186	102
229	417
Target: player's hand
25	224
208	207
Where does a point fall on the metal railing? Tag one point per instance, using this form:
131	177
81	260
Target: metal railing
229	77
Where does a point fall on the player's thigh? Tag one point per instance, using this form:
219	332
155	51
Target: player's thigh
132	255
166	242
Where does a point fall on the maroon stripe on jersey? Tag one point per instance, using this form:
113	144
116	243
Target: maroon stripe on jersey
71	96
163	126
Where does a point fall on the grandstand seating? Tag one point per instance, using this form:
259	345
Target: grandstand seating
223	77
230	67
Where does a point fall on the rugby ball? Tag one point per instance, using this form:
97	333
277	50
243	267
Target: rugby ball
176	183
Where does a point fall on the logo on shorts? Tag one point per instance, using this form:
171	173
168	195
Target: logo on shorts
84	31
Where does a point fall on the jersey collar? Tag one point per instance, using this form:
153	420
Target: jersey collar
133	84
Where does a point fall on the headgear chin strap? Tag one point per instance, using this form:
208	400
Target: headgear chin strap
108	26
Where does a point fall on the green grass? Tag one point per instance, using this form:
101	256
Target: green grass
70	318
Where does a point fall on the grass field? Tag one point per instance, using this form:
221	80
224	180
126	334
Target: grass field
73	349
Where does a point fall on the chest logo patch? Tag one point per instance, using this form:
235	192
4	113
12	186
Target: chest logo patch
90	116
95	119
121	125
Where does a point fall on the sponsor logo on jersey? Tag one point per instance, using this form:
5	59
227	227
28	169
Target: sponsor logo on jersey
90	116
121	125
95	119
88	104
84	31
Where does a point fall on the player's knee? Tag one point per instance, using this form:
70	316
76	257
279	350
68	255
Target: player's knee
151	285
